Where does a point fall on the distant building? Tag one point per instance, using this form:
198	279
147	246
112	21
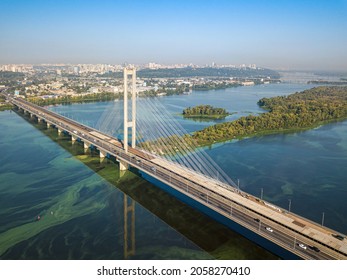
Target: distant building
16	92
94	90
248	83
153	65
76	70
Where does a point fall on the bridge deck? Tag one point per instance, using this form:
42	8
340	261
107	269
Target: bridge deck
290	220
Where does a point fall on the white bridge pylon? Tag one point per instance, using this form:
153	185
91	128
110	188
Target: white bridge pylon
129	123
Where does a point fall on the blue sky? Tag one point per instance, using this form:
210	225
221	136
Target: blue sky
276	34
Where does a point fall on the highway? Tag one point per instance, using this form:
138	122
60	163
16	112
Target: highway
287	230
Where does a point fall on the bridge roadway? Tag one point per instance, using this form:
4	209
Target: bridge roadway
292	232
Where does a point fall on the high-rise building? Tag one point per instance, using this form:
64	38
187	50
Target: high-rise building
76	70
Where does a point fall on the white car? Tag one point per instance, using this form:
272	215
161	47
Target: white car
302	246
269	229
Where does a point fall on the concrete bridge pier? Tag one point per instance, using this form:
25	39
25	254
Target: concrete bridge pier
48	125
123	165
102	153
73	139
86	146
60	131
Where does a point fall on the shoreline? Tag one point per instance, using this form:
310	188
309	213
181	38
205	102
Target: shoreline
5	107
206	117
271	132
295	112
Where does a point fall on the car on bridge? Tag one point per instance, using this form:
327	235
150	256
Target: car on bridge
303	246
314	248
269	229
339	237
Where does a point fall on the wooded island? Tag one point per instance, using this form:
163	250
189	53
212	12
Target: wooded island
205	111
301	110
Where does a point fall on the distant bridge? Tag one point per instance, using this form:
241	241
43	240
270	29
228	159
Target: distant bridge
290	232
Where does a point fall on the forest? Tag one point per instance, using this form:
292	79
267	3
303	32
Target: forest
301	110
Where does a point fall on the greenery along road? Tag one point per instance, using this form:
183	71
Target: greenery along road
102	96
297	111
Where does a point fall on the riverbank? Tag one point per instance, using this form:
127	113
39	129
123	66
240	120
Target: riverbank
3	104
4	107
299	111
207	117
74	99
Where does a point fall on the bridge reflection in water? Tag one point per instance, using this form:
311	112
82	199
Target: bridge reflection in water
129	227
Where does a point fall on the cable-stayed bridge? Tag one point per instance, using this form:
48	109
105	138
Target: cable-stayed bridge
187	172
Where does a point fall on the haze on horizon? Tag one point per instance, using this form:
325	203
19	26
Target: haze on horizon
301	35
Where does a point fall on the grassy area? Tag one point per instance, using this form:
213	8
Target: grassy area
4	107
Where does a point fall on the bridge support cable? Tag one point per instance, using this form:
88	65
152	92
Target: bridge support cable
177	149
110	120
146	132
160	141
189	150
183	150
163	130
166	126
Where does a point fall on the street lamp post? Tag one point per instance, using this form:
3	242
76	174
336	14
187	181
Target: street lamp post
261	193
323	218
290	204
294	241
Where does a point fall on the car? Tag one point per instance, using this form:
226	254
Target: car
314	248
257	220
138	161
339	237
152	168
269	229
302	246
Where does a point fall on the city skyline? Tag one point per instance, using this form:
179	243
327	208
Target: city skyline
301	35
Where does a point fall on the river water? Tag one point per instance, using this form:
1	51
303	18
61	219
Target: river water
81	201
